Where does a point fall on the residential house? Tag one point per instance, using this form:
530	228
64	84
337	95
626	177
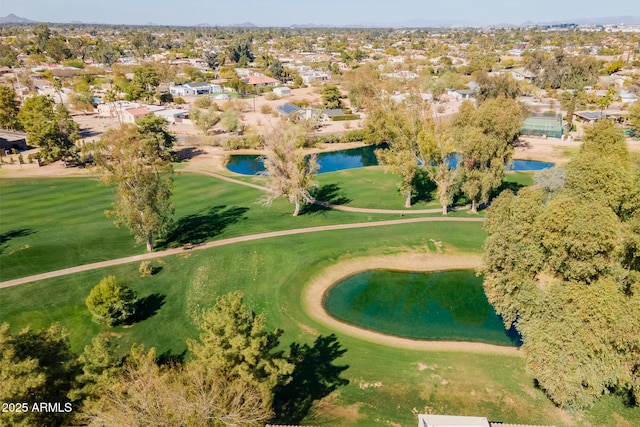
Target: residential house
590	116
12	140
261	80
115	109
172	115
314	76
628	97
282	91
460	94
328	114
522	74
130	115
293	112
195	89
288	109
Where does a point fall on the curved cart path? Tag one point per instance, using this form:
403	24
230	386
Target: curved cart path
152	255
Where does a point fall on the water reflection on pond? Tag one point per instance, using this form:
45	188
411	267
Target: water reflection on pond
250	164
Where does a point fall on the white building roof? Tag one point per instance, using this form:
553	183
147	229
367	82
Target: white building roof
451	421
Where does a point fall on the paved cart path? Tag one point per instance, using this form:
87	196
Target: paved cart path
223	242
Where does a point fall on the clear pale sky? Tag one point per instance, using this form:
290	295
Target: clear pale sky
324	12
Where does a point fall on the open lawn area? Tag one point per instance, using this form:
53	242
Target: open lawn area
373	188
49	224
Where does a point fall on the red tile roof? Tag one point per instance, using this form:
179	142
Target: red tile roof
138	111
260	80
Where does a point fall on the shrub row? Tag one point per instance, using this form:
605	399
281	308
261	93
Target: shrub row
345	117
351	136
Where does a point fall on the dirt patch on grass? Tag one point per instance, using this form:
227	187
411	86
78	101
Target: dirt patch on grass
620	422
330	410
314	292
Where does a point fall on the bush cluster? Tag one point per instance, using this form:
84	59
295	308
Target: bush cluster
345	117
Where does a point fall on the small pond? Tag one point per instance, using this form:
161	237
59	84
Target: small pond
443	306
249	164
329	161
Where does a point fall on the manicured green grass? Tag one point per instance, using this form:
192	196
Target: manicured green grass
48	224
523	179
57	223
373	188
387	383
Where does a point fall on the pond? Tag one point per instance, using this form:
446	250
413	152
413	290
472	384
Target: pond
442	306
329	161
249	164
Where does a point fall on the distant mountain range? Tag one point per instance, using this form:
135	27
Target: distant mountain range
13	19
414	23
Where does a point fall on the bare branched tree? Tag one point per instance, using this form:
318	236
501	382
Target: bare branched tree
291	172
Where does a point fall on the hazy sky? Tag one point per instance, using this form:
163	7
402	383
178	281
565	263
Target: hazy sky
329	12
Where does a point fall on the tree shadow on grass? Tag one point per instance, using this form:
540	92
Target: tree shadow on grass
169	358
146	307
514	187
198	228
314	376
188	153
424	187
12	234
328	193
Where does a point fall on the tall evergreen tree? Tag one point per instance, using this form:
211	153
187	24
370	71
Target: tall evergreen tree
9	108
235	344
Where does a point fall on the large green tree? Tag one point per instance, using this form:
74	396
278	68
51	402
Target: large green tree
331	97
137	159
362	85
240	53
570	101
144	83
9	108
565	270
485	137
490	87
100	365
399	125
35	367
49	127
437	149
560	70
